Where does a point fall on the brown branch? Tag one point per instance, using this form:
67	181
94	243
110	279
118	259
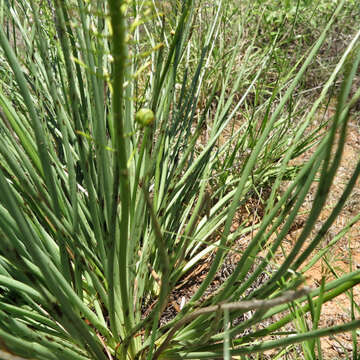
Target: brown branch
240	305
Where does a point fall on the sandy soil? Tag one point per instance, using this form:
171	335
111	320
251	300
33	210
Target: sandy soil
344	256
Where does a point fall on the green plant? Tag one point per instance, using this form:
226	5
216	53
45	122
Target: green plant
102	213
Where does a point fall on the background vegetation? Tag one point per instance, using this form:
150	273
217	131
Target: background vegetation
140	142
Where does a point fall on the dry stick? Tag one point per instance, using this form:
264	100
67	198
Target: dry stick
240	305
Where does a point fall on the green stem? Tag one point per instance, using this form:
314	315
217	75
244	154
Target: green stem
118	270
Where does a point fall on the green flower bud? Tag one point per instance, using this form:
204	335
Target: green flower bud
145	117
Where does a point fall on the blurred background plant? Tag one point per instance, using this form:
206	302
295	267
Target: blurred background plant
133	136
